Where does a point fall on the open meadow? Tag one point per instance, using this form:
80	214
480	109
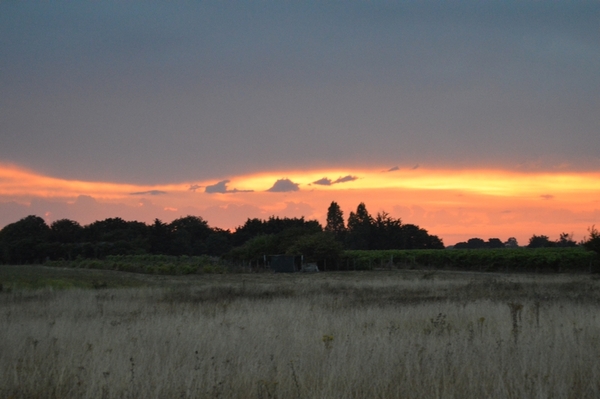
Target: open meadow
387	334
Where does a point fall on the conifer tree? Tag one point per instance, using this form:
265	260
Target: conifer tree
359	228
335	220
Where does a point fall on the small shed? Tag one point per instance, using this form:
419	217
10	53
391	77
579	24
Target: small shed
285	263
310	268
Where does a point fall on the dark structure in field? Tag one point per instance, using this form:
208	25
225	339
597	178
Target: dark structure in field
285	263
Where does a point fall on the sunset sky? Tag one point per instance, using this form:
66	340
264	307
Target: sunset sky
470	119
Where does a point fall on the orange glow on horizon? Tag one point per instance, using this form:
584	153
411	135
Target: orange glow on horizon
490	182
449	203
16	181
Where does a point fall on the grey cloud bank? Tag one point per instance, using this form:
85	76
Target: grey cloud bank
284	186
345	179
151	192
157	92
328	182
323	182
221	188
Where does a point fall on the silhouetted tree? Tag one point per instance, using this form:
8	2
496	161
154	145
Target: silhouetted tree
386	232
414	237
115	236
288	237
593	242
540	242
274	225
114	229
476	243
189	235
255	248
335	221
66	231
566	241
257	238
511	243
494	243
159	238
25	241
65	240
321	248
252	228
435	242
218	242
359	228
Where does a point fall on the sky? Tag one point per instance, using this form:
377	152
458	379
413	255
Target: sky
470	119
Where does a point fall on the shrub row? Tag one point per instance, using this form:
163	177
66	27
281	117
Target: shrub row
518	259
545	260
149	264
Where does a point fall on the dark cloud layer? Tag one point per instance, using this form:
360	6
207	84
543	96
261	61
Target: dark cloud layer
225	90
284	186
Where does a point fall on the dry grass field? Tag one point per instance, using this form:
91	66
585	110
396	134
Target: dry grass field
393	334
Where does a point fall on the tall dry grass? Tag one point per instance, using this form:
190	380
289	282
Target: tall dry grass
354	335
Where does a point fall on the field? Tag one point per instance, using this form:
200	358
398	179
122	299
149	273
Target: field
388	334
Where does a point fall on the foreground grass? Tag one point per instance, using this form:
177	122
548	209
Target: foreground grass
401	334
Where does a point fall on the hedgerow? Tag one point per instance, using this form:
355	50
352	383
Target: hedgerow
519	259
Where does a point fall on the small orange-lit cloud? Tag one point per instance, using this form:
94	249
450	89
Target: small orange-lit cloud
454	204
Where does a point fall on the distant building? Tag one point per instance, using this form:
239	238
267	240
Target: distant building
285	263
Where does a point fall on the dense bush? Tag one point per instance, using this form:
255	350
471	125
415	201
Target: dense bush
149	264
521	259
593	242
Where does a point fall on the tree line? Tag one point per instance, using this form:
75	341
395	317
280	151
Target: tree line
31	240
565	241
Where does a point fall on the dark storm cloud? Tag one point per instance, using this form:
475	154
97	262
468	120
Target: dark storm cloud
221	188
151	192
395	168
284	186
457	83
194	187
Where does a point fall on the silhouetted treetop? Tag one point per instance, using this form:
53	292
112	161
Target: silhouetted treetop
335	220
66	231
